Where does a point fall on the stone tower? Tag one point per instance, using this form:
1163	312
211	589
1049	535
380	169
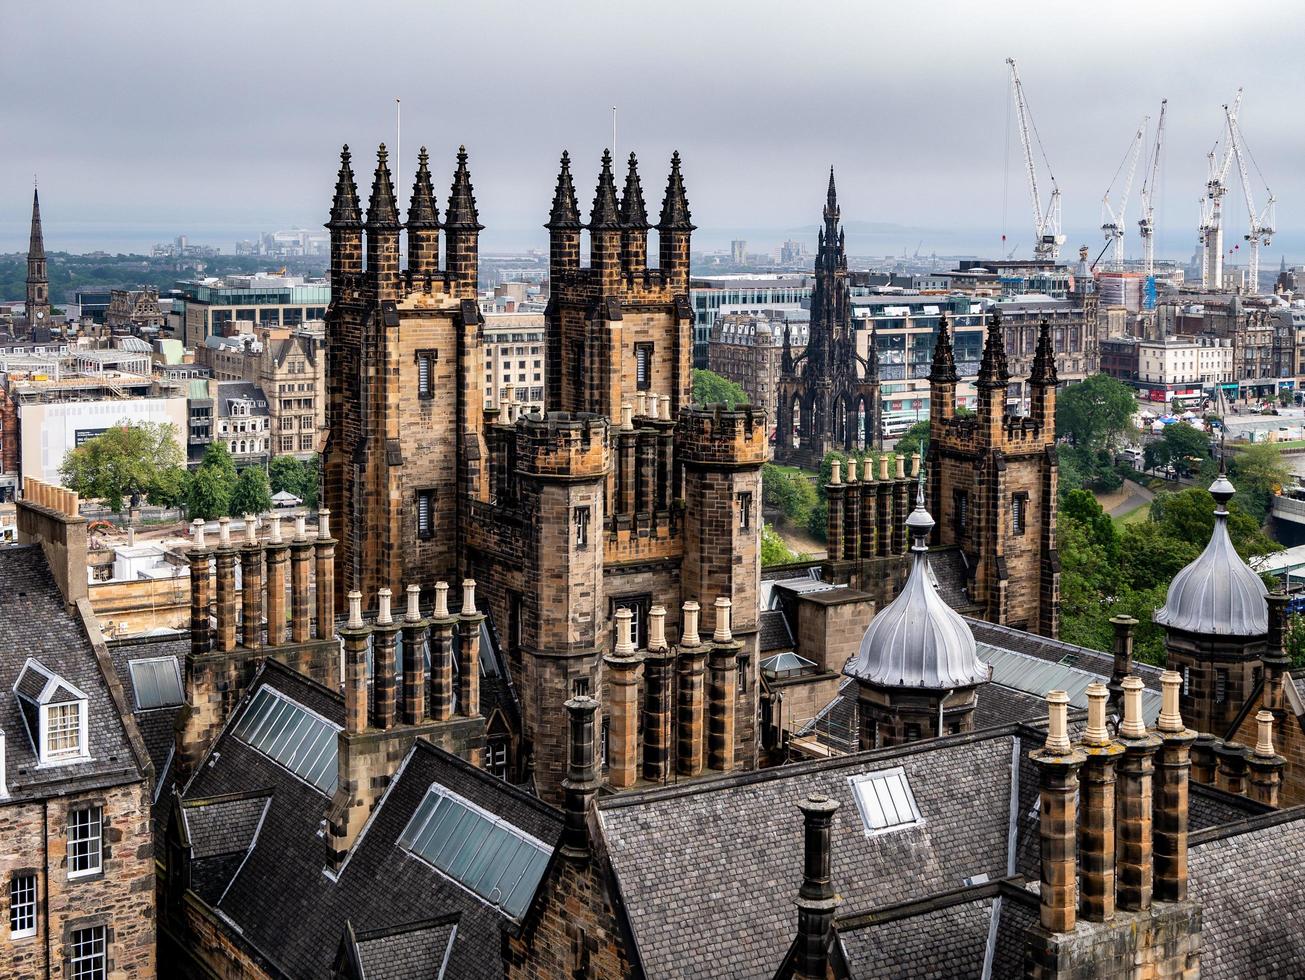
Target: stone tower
992	482
38	280
829	394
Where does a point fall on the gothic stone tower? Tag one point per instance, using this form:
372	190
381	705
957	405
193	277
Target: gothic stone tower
829	394
404	410
38	281
992	481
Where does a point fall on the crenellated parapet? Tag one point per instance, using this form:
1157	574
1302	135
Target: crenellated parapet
563	445
716	437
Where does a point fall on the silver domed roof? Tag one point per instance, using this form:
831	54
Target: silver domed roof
1218	594
917	640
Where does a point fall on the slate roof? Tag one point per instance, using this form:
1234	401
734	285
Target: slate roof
34	622
155	724
774	631
1054	651
418	953
293	913
935	945
243	391
716	903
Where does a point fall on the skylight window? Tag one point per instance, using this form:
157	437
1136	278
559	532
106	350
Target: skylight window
885	800
292	736
157	683
483	853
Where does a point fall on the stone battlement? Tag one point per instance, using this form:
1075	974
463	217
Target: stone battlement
714	435
563	444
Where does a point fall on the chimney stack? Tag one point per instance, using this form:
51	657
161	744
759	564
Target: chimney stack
692	660
1058	764
384	635
226	588
657	682
581	782
278	557
1171	793
816	899
1096	831
440	701
251	586
1266	765
623	737
722	682
469	652
301	554
1123	650
1135	810
1275	660
1230	774
414	660
356	636
199	556
324	548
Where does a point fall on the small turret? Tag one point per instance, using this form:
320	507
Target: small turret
1042	378
634	223
383	231
345	224
674	228
423	221
994	376
564	225
462	231
605	225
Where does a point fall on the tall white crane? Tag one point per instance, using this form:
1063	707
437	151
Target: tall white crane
1216	186
1261	228
1146	227
1111	223
1047	236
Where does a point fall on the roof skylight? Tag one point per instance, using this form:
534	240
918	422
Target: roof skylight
885	800
292	736
157	682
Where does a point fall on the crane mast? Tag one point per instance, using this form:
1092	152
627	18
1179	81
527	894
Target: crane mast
1216	186
1047	236
1260	229
1111	223
1146	227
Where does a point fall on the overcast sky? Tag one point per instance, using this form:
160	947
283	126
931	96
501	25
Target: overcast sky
148	119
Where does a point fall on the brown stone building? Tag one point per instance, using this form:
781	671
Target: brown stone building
621	496
76	853
748	349
134	311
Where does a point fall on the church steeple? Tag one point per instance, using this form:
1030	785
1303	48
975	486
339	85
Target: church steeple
832	211
38	283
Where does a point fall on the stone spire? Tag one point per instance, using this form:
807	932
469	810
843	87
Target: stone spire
422	210
993	370
603	216
1044	358
832	211
566	212
461	214
382	212
871	353
633	213
943	370
36	247
38	282
675	206
345	212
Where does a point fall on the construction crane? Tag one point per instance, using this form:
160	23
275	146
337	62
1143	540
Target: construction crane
1261	228
1047	236
1146	227
1216	186
1111	223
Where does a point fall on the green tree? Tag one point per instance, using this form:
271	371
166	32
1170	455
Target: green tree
1182	446
208	494
1188	516
773	549
1293	639
709	388
130	458
170	488
913	439
1095	412
297	476
251	494
1258	472
791	492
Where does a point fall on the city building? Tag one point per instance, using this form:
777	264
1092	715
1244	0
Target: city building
93	304
1119	358
828	396
739	252
242	421
514	360
747	348
289	367
76	781
743	293
235	304
37	310
1186	368
134	311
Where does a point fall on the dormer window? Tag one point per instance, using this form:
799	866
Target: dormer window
55	713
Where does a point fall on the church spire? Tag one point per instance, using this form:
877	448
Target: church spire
422	210
832	210
462	214
345	212
634	215
1044	358
36	248
566	212
993	370
603	216
382	212
38	282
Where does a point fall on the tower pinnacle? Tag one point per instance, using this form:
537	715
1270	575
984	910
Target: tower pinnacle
603	216
566	212
38	282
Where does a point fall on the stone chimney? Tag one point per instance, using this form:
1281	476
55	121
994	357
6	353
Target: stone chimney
357	636
1096	829
301	555
581	782
1135	809
440	701
1265	765
251	586
658	663
1173	769
324	552
1203	758
384	663
816	900
277	556
1230	776
50	516
415	630
1275	659
226	588
1058	764
623	735
692	657
1123	650
200	558
469	652
722	685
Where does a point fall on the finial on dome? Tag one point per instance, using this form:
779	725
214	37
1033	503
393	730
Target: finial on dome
920	522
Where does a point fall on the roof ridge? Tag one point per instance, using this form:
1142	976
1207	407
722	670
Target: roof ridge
513	790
